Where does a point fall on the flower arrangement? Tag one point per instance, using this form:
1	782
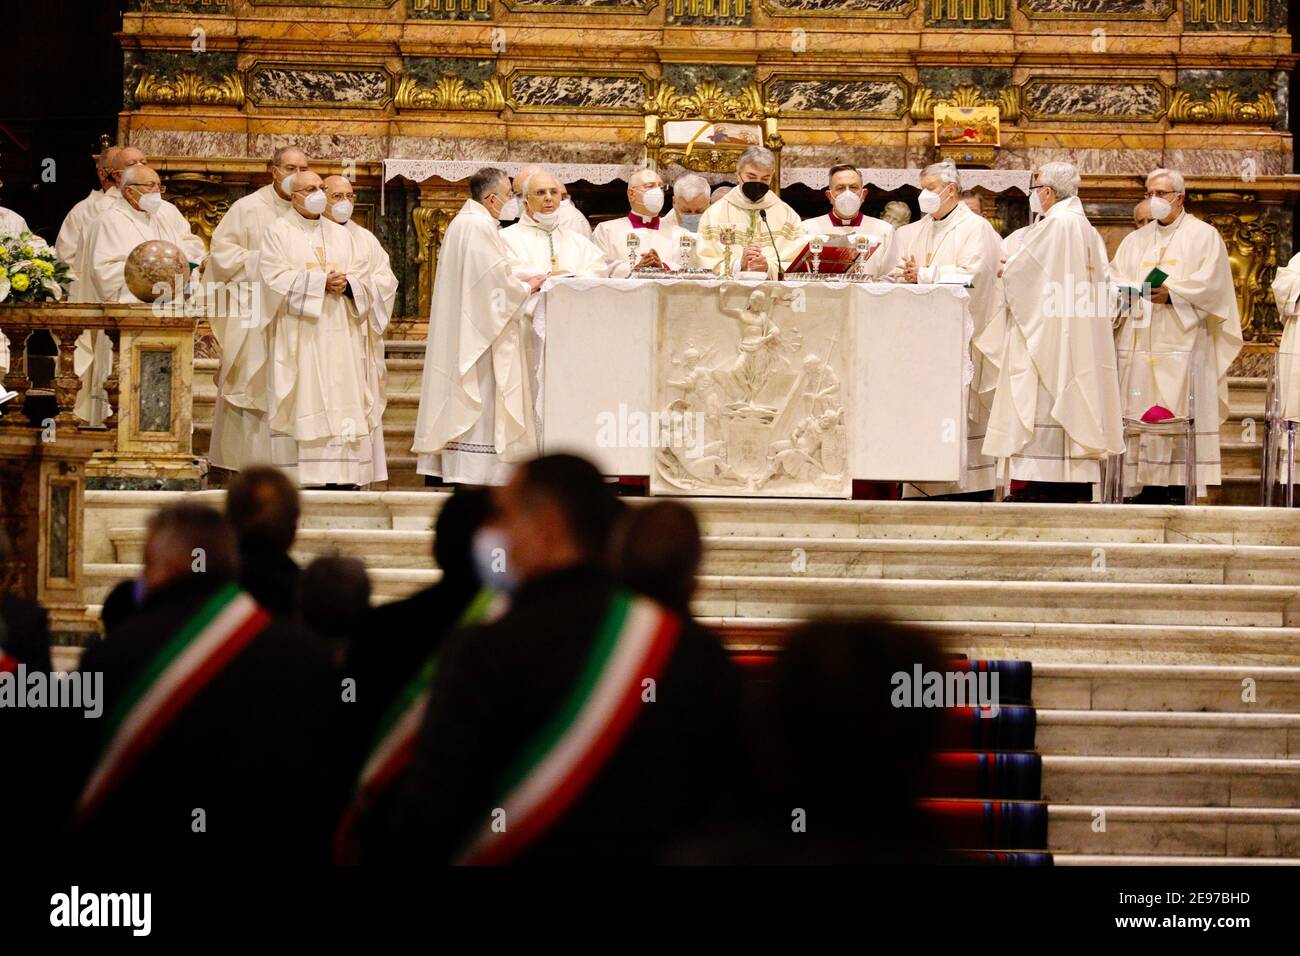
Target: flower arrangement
30	271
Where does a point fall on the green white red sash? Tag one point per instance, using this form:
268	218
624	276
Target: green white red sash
185	665
393	743
634	642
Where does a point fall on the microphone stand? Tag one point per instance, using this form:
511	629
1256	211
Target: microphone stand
780	272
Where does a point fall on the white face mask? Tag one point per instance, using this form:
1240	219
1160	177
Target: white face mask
1035	204
150	202
929	201
315	202
510	210
1160	207
847	204
341	211
547	220
653	199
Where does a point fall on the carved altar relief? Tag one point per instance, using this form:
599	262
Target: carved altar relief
751	383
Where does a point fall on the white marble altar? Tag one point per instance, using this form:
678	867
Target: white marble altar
606	364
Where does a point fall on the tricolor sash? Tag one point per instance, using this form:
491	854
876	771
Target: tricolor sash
186	664
634	642
391	747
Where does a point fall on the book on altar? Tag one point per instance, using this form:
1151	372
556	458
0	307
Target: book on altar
838	255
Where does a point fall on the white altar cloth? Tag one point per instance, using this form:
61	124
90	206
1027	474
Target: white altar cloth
594	353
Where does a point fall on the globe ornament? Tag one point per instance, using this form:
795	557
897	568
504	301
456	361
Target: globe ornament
153	269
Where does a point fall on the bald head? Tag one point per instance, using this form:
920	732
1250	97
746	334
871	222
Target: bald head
340	196
521	177
126	158
304	184
1141	214
285	162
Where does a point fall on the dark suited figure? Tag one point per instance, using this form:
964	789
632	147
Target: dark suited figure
262	506
333	602
498	684
657	551
250	749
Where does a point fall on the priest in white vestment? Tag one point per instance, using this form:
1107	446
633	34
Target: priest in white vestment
240	433
85	212
476	399
1189	327
139	214
950	241
320	305
571	216
1056	410
690	199
846	194
382	294
539	243
1286	293
759	246
11	224
658	245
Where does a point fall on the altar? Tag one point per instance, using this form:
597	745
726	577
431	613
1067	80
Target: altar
733	387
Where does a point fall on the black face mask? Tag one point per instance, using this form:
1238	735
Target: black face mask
754	191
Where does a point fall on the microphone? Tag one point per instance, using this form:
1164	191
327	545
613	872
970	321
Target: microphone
780	272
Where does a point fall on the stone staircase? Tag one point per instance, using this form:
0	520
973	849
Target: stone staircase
1146	625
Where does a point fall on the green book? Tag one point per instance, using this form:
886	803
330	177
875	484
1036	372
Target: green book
1156	277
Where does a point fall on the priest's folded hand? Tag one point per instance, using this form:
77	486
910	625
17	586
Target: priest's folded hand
336	283
535	282
1160	295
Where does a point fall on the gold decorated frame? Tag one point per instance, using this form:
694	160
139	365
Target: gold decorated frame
773	10
1156	117
889	77
514	104
1031	14
326	67
524	6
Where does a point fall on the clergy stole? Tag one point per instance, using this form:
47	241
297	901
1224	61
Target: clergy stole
319	343
1057	372
1286	293
736	212
477	310
1196	333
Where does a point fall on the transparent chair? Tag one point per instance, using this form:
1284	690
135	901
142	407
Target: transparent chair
1279	431
1140	373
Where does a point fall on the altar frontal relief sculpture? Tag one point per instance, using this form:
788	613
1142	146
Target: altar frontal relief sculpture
751	385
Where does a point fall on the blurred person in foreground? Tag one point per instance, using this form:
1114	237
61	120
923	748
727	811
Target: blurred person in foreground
215	738
263	506
584	724
333	601
842	767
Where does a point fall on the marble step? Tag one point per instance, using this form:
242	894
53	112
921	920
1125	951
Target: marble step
1167	688
820	518
1171	781
1223	832
1134	733
753	596
1083	859
1065	643
882	558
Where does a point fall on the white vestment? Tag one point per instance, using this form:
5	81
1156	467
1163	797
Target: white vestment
1198	329
882	260
537	251
571	218
383	298
105	246
1056	410
1286	293
321	390
78	220
736	211
476	397
240	433
611	237
964	242
11	224
1012	243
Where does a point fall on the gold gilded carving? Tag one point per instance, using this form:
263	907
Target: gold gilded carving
1223	106
964	97
450	93
1252	253
718	9
201	201
977	10
430	226
1226	11
710	102
188	88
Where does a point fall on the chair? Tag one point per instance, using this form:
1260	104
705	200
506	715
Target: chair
1182	425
